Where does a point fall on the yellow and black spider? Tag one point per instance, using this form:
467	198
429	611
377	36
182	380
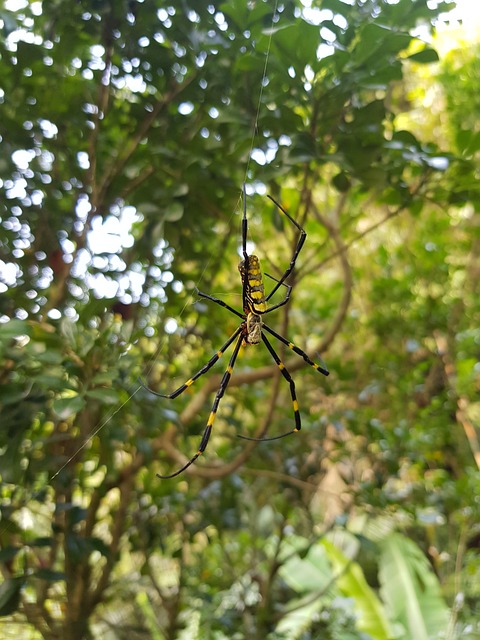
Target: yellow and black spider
250	331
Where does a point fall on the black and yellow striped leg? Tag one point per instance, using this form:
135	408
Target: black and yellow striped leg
211	419
203	370
220	302
296	350
289	379
300	243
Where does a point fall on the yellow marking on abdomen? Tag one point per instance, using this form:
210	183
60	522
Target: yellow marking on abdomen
189	382
255	291
295	405
211	418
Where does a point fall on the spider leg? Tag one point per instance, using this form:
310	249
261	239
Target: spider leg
208	429
287	295
298	248
289	379
244	250
298	351
244	223
199	373
220	302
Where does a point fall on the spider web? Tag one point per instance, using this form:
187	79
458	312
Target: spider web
105	421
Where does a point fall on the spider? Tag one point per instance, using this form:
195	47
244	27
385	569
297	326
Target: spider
251	331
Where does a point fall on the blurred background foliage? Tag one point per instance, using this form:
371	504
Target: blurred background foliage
127	129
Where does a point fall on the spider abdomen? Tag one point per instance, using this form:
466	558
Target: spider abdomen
253	283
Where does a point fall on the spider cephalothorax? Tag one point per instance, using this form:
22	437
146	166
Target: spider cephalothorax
250	331
253	329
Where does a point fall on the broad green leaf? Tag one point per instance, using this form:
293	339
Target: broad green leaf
67	407
411	589
300	618
472	140
312	573
9	23
351	581
14	328
105	395
426	56
50	356
378	39
52	382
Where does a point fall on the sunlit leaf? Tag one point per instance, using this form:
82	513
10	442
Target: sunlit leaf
105	395
411	589
67	407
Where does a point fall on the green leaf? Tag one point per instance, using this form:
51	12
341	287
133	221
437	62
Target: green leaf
10	595
51	382
469	142
297	43
9	23
13	329
67	407
352	583
311	573
299	619
236	11
174	213
341	182
69	330
8	553
105	395
50	356
302	148
405	137
149	615
379	40
49	575
411	589
41	542
426	56
96	544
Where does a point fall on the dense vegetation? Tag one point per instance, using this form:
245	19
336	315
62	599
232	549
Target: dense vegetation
127	130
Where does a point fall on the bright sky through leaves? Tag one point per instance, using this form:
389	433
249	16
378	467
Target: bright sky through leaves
463	23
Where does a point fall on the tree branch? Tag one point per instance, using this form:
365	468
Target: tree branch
117	531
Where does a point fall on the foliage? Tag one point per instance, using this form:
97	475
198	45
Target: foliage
127	130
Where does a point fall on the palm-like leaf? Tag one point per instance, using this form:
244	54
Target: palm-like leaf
411	590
